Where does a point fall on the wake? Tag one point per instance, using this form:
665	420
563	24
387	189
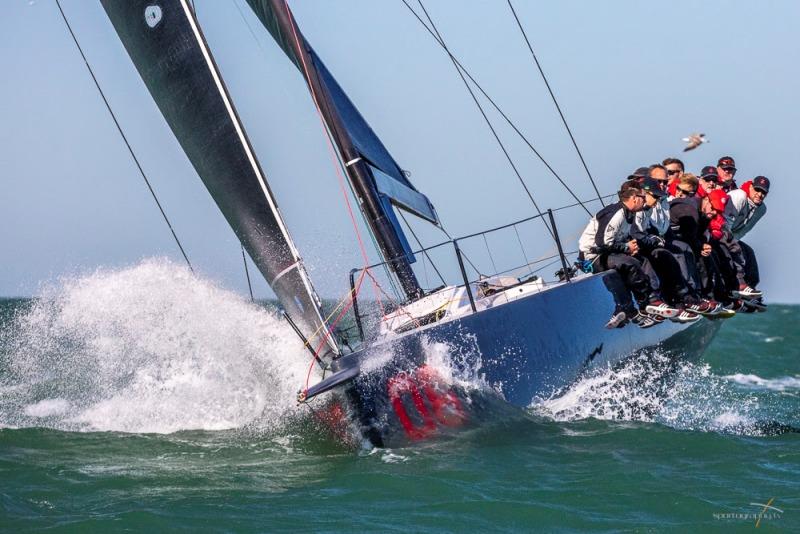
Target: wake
680	394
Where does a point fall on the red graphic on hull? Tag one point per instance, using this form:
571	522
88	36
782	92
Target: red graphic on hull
434	402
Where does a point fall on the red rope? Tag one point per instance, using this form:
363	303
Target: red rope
353	295
332	150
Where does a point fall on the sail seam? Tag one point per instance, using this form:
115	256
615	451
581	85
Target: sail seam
283	272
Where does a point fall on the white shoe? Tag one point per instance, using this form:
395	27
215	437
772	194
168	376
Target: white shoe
686	317
617	320
659	307
748	293
643	320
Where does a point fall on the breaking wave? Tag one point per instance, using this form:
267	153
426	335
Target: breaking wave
784	383
151	348
677	393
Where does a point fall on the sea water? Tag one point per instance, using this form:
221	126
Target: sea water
148	398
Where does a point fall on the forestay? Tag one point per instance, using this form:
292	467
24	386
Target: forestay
377	178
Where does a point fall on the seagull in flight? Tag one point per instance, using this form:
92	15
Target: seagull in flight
694	141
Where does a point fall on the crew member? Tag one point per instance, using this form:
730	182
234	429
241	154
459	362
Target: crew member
726	168
675	170
686	236
744	210
709	180
607	243
662	266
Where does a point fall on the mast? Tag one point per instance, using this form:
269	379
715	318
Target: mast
375	182
167	47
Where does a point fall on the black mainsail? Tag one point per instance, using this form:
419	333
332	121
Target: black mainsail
377	179
168	49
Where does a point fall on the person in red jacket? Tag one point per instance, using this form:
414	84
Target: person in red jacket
727	250
709	180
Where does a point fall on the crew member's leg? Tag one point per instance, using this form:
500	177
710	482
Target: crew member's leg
630	269
751	275
729	276
688	264
673	284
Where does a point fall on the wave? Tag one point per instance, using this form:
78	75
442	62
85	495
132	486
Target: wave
150	348
783	383
677	393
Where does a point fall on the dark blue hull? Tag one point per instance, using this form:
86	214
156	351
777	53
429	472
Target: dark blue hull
527	349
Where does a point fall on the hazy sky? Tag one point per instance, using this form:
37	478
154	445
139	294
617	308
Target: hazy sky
632	79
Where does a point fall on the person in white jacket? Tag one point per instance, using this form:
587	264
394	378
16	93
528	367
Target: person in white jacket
743	211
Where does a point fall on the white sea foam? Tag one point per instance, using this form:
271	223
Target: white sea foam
655	388
151	348
47	408
782	383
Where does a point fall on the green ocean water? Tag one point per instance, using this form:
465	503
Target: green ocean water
143	399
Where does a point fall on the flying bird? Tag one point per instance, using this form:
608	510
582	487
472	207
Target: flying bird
694	141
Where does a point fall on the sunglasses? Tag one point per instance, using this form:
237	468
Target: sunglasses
731	170
762	191
675	171
687	192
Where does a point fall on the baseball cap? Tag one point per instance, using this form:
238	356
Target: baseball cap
709	173
761	182
726	162
639	174
651	185
718	198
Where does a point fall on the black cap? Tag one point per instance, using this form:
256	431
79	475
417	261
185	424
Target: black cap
761	182
726	162
652	186
710	174
639	174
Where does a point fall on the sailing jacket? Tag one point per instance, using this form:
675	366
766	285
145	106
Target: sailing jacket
717	227
653	220
741	212
607	232
686	224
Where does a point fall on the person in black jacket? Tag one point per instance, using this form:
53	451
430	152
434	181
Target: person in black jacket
684	237
689	239
607	244
662	266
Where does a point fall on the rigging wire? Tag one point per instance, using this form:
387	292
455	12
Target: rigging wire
497	108
485	117
553	96
124	138
247	274
334	153
424	252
